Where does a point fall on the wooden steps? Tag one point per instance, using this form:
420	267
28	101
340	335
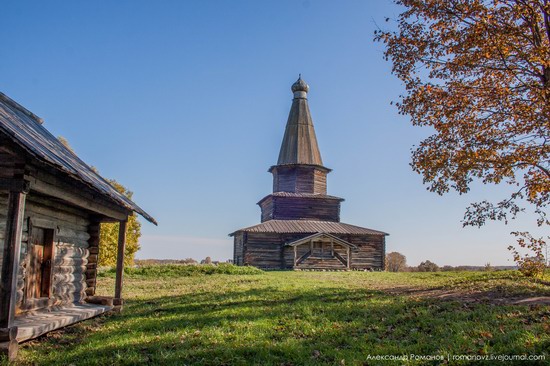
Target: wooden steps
321	262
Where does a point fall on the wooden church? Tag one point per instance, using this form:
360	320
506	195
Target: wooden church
300	224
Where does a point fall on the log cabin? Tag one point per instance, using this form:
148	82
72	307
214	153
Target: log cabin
51	207
300	223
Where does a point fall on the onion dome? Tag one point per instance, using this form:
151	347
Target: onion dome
300	86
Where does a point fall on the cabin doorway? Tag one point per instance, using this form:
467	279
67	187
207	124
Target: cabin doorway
39	267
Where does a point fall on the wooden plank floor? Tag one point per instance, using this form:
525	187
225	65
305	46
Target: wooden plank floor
32	325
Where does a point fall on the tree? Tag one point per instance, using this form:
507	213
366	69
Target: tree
477	72
395	262
428	266
108	238
188	261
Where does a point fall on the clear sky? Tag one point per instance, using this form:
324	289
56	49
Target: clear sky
185	103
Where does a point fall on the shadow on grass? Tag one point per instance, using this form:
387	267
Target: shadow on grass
269	326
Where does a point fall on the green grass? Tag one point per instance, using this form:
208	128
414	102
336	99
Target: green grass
179	270
176	317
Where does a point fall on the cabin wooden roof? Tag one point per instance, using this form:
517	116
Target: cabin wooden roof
308	226
299	142
27	131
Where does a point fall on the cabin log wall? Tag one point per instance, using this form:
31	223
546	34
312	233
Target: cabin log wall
3	222
71	253
93	249
12	166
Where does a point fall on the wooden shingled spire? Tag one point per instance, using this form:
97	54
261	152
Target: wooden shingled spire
299	142
300	168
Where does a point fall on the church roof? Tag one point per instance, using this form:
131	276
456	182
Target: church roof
299	142
27	131
308	226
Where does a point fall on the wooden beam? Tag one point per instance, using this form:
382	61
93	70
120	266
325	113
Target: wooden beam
10	257
8	334
14	185
120	258
100	300
295	255
349	257
75	198
93	247
9	349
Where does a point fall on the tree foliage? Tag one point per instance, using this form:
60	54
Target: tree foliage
108	242
395	262
477	72
108	239
533	265
428	266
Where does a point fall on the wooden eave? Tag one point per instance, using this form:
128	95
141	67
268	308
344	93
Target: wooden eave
297	165
46	180
300	195
25	130
64	188
308	227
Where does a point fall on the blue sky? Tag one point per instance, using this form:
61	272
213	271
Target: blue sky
185	103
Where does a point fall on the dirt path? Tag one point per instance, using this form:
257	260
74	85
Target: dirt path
468	296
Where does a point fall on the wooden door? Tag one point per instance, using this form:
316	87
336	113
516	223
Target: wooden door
317	249
39	268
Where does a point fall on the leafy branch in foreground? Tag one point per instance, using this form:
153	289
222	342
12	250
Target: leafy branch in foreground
478	73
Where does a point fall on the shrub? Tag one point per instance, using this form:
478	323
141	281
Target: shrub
428	266
183	270
534	263
396	262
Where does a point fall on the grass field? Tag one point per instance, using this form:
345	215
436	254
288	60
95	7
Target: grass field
174	317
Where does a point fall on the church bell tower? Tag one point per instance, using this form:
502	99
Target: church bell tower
300	178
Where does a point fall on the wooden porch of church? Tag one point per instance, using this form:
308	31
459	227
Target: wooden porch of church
321	251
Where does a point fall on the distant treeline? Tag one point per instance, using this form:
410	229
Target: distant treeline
477	268
149	262
397	262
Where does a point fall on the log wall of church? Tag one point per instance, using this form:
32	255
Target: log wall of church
268	250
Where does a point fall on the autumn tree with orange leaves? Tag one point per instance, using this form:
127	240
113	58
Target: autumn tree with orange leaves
478	73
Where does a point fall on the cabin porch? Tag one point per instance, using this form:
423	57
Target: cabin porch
36	323
48	265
